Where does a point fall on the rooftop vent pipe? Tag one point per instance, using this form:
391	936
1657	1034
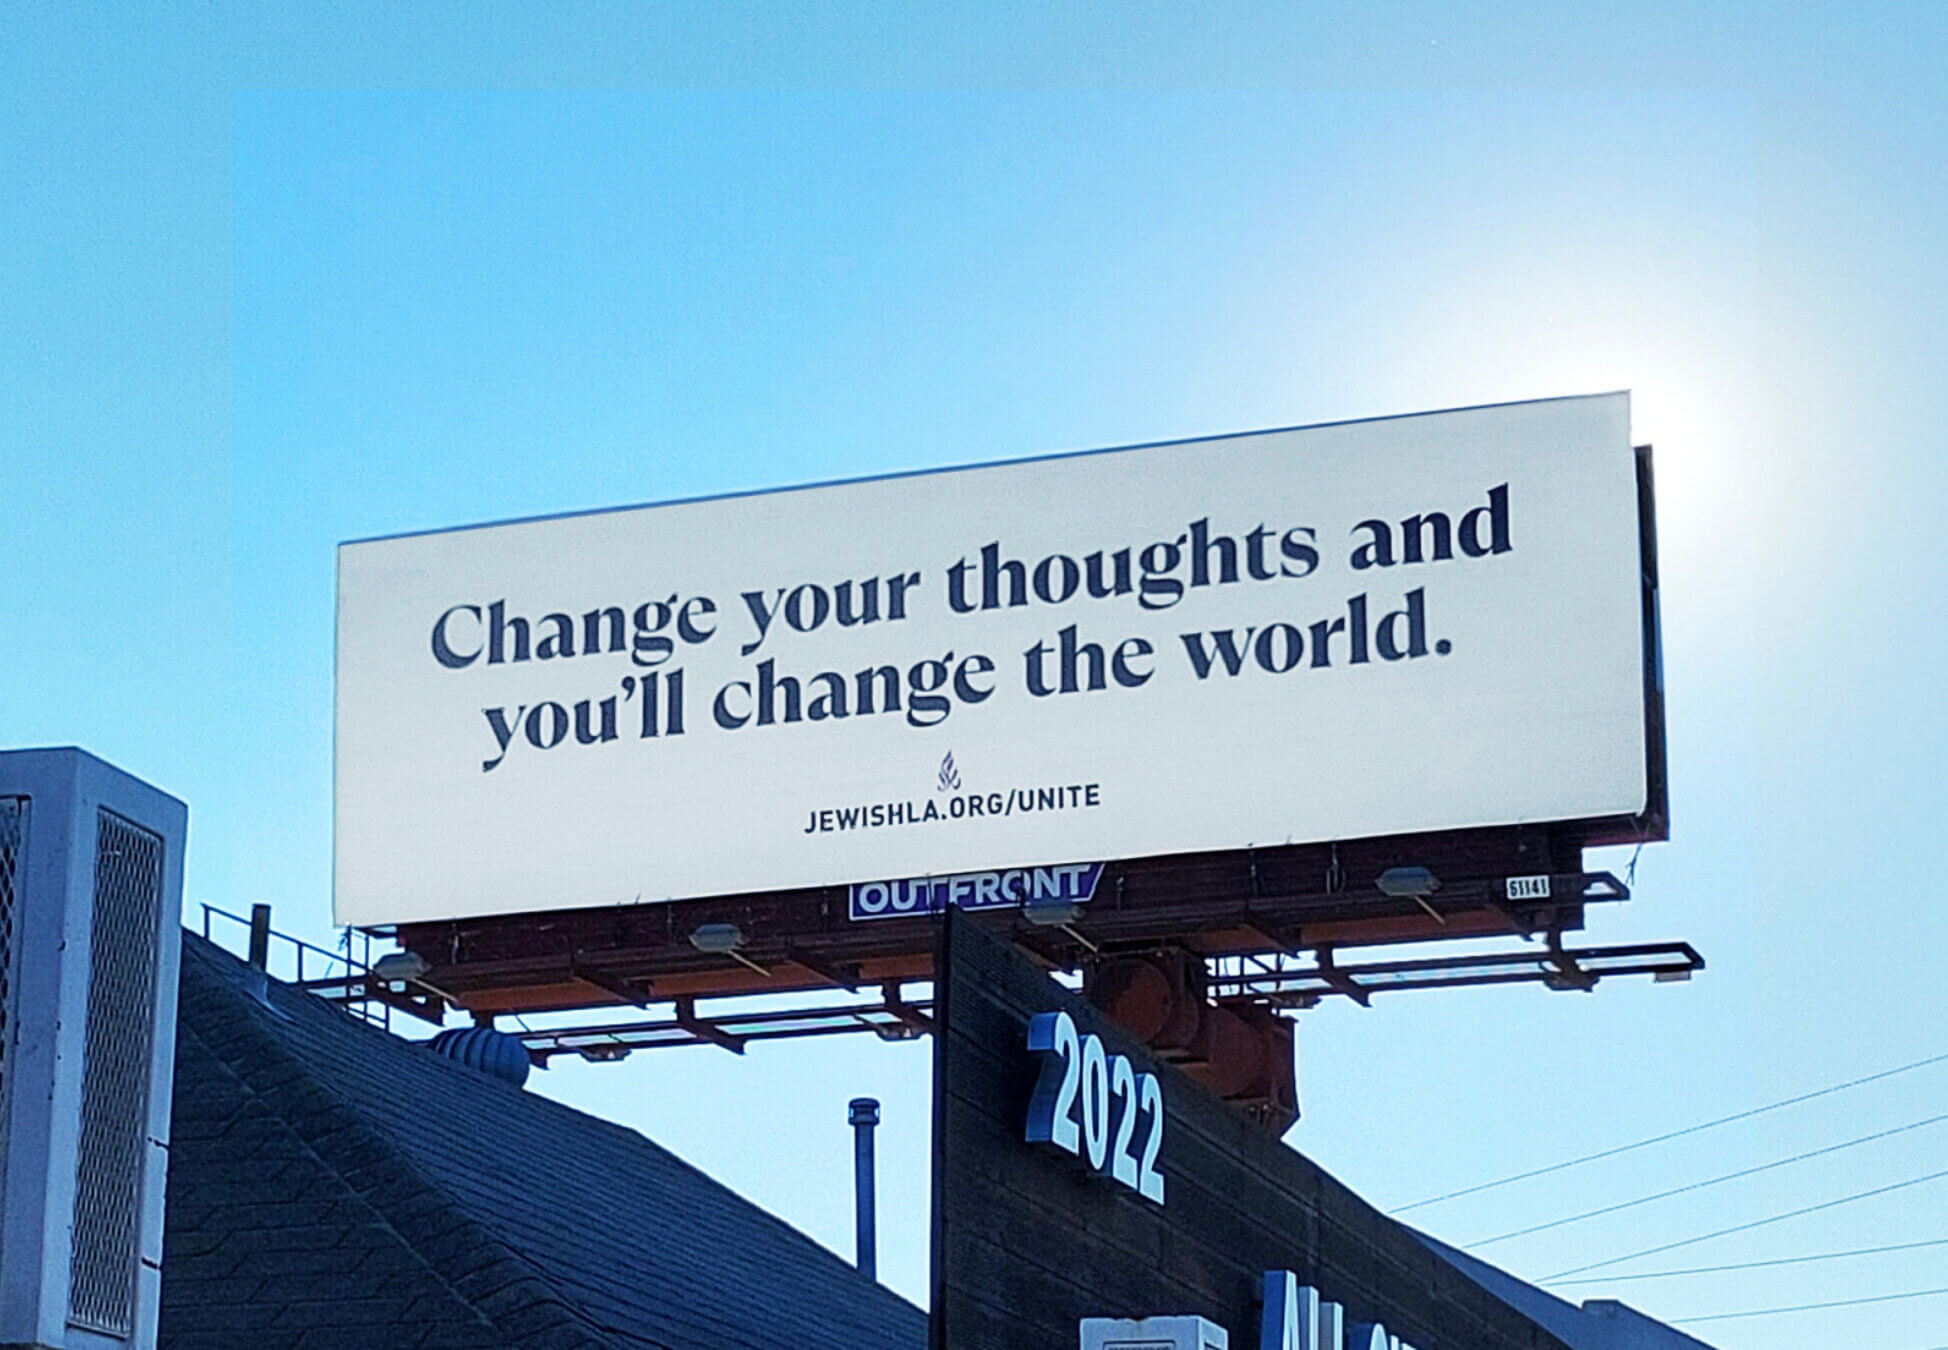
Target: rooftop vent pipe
863	1114
260	937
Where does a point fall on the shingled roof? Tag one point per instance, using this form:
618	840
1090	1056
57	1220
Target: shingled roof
332	1185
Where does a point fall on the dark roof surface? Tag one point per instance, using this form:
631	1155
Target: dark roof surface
333	1185
1600	1324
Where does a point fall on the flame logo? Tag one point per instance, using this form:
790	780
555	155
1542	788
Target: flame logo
949	775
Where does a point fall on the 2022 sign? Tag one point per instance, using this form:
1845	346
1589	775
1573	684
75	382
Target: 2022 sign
1077	1072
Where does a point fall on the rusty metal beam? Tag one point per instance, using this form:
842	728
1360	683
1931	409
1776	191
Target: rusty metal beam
909	1016
835	975
1340	981
686	1017
1277	982
1569	975
626	990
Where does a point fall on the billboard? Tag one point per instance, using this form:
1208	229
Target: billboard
1396	626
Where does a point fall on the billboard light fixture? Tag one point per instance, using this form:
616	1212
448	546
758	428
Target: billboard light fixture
724	939
1051	913
1408	882
1056	913
718	938
398	969
1412	883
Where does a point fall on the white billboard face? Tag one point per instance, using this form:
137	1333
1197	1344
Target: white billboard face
1338	632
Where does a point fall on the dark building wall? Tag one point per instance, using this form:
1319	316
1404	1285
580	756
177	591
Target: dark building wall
1026	1243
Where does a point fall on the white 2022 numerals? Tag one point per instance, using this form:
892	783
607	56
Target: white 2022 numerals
1111	1095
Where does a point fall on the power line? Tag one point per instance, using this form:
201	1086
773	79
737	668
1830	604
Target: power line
1700	1185
1755	1265
1810	1307
1744	1227
1674	1134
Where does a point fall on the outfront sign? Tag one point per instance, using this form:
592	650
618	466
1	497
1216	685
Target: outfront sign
1338	632
1012	888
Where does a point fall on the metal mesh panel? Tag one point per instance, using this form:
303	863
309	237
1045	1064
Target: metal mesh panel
115	1076
13	826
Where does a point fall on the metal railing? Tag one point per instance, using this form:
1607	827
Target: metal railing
1291	981
325	964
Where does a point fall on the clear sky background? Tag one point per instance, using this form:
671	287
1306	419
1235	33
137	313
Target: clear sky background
258	296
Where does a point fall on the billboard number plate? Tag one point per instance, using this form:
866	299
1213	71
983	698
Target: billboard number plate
1528	888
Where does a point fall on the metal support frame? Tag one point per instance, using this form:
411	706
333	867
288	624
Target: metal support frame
1289	981
898	1020
803	942
704	1030
631	992
1569	975
911	1019
1340	981
844	976
1284	983
1284	980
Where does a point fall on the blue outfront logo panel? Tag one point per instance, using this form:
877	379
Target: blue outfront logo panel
1062	883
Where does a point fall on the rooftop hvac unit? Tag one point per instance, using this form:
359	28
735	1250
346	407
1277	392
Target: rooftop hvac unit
91	879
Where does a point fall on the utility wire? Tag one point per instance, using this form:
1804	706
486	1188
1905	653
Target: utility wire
1809	1307
1755	1265
1700	1185
1674	1134
1743	1227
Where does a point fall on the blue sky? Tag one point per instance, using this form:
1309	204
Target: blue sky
272	282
